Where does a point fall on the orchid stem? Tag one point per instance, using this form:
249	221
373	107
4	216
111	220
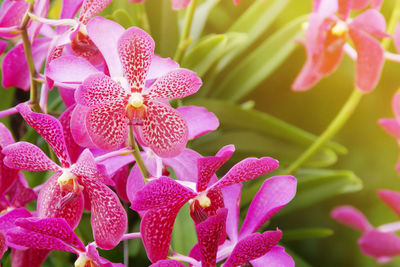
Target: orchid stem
394	19
337	123
143	19
34	98
136	154
185	40
131	236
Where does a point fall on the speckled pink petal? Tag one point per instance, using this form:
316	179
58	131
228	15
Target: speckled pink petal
177	83
20	194
15	70
391	126
371	22
246	170
11	14
87	167
379	244
179	4
253	247
199	120
3	45
99	89
20	238
120	179
7	176
50	129
53	227
3	246
208	234
30	257
73	148
69	8
94	255
159	67
370	59
208	166
7	220
276	257
136	49
108	216
351	217
184	165
6	137
48	204
391	198
161	192
167	263
105	33
91	8
164	130
78	126
231	195
135	183
107	126
156	229
70	70
275	193
25	156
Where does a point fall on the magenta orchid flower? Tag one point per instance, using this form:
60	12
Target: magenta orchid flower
161	199
327	35
113	106
381	242
53	234
108	219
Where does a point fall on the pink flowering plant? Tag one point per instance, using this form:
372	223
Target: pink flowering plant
132	132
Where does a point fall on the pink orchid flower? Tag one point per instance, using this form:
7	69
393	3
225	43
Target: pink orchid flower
61	194
54	234
161	199
381	242
327	35
114	105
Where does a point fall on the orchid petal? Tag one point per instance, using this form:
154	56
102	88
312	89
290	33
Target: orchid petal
25	156
246	170
164	130
78	126
136	49
120	179
159	67
391	199
20	194
396	104
135	183
184	165
232	196
208	234
3	246
3	45
351	217
379	244
30	257
91	8
167	263
359	4
273	195
7	220
371	22
69	8
179	4
12	13
107	125
276	257
396	38
253	247
99	89
73	148
391	126
6	137
199	120
104	33
370	59
50	129
177	83
344	8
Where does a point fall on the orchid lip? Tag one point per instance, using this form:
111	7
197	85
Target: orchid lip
204	200
340	28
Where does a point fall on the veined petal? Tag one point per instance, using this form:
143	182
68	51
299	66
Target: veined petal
167	263
351	217
25	156
208	234
391	126
370	59
87	167
136	49
54	227
7	220
91	8
276	257
73	148
99	89
379	244
156	229
3	245
391	199
253	247
199	120
177	83
50	129
246	170
161	192
273	195
107	125
104	33
232	196
164	130
6	137
30	257
78	126
48	204
108	217
208	166
20	194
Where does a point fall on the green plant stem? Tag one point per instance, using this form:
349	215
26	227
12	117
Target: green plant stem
394	19
34	94
136	154
143	19
185	40
337	123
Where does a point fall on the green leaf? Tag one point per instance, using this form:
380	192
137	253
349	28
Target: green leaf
200	18
257	66
297	259
314	186
306	233
232	116
122	17
184	234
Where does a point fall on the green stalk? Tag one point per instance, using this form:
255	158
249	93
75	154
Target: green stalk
394	19
136	154
185	40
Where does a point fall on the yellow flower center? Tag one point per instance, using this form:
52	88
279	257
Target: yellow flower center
204	201
340	28
68	182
